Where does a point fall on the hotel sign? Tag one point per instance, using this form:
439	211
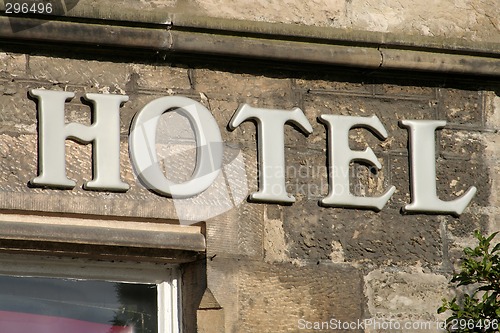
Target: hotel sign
104	136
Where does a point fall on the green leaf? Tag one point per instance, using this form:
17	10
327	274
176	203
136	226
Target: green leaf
485	288
488	240
468	251
489	264
442	309
496	248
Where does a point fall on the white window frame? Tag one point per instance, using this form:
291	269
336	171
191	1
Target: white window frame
165	276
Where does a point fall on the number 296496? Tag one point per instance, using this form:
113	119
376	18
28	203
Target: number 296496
18	7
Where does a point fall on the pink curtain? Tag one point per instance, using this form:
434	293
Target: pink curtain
17	322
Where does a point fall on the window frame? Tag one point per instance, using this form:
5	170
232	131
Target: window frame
165	276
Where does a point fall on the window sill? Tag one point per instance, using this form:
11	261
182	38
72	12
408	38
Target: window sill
101	239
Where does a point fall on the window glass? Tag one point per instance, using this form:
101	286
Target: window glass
53	305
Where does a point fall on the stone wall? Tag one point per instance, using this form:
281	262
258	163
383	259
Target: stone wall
474	20
320	263
272	267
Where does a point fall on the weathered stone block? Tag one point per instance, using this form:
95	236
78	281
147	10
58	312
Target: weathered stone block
386	236
335	82
461	144
251	230
405	89
318	13
461	106
19	165
455	176
465	225
308	231
368	181
135	104
12	65
456	249
239	231
222	277
492	107
279	297
17	162
386	110
273	212
160	77
391	237
275	248
17	112
76	112
296	139
405	296
306	173
105	76
468	20
223	111
210	321
255	90
399	177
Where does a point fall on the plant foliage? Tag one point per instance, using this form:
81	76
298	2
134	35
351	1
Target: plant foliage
479	309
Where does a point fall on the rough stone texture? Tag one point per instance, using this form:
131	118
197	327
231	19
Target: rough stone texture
12	64
384	108
270	265
405	297
467	223
261	90
385	290
442	18
277	296
105	76
275	247
160	77
474	20
450	180
223	280
492	153
365	236
460	108
210	321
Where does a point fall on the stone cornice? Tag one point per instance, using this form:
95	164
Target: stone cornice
172	33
